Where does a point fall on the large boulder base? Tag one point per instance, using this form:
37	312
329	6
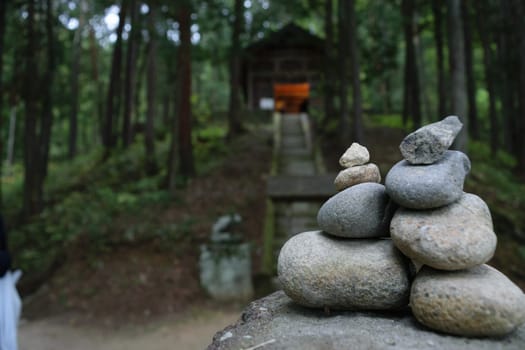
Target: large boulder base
276	322
317	270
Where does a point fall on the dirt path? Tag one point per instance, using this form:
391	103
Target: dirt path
195	331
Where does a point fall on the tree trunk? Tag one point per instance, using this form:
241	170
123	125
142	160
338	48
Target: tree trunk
174	124
186	165
47	103
506	44
140	80
99	129
489	77
405	113
31	201
11	137
130	77
344	120
75	73
458	87
440	67
519	23
3	9
235	102
422	77
412	99
166	108
357	128
151	82
388	95
471	86
173	151
329	78
112	102
38	121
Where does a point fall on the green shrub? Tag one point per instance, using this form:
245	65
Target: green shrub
394	121
492	178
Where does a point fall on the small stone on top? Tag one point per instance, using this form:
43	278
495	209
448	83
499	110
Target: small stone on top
354	155
429	143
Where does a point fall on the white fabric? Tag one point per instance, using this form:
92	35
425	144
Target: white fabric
10	307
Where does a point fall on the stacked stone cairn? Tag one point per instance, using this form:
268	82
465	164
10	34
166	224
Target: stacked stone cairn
419	241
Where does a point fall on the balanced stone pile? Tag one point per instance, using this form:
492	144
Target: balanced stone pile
348	265
352	264
356	170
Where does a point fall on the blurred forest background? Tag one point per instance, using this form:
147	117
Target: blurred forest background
123	123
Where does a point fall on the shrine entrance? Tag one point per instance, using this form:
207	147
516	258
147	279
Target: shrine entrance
291	98
283	71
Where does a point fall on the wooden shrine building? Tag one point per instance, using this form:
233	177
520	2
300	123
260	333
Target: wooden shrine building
280	71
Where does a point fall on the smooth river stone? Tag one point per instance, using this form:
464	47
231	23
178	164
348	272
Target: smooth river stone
354	155
427	145
480	301
356	175
428	186
317	270
454	237
361	211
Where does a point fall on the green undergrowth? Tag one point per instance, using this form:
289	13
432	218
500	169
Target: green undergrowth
103	203
393	121
492	178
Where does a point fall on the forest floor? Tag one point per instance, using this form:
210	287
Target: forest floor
143	295
147	288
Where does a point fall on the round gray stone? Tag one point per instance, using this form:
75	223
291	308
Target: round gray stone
428	186
480	301
360	211
356	175
454	237
317	270
427	145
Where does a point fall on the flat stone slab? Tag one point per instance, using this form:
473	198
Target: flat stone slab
301	153
292	141
300	187
275	322
298	167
